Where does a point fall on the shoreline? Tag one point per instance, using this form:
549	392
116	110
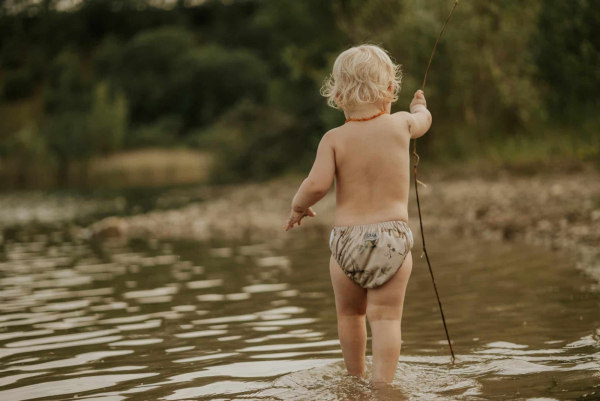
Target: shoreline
555	211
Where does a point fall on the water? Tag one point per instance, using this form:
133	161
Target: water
181	321
87	206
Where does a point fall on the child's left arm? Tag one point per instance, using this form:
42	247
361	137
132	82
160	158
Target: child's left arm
316	185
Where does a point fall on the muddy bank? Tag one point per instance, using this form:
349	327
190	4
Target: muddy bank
554	211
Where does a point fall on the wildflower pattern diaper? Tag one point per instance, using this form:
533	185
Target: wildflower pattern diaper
371	254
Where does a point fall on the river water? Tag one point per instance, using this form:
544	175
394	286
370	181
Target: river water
149	320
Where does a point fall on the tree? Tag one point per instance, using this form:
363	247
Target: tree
206	81
144	70
567	50
25	146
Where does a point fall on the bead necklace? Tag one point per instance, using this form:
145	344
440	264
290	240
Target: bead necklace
366	118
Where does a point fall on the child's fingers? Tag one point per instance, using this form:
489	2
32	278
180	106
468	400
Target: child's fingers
297	218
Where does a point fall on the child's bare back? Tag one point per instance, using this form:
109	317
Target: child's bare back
369	159
372	170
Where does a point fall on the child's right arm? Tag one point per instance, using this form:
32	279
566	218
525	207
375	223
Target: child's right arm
419	118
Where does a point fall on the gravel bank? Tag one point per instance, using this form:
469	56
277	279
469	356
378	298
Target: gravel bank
554	211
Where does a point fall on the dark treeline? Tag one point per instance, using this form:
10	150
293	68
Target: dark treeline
512	82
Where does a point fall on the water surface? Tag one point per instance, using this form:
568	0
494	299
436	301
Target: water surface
181	321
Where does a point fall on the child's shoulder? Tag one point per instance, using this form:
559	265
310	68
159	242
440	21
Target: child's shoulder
329	138
401	116
399	121
403	121
333	133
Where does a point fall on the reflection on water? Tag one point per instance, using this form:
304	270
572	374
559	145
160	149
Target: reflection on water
255	322
86	206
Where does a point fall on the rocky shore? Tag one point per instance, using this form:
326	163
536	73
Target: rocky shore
557	211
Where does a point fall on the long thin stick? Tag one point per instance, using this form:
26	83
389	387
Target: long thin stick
416	162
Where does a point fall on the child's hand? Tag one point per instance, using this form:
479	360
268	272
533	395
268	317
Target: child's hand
296	217
419	99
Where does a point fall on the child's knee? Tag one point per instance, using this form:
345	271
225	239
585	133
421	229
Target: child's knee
383	312
352	310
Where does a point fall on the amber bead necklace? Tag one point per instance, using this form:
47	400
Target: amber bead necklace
366	118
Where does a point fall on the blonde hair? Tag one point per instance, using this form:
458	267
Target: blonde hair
362	75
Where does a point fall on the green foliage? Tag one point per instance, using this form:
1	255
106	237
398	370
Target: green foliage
162	72
250	142
107	120
37	65
482	72
24	144
107	56
24	149
17	85
207	80
67	136
567	51
77	135
163	132
144	69
68	90
242	77
12	53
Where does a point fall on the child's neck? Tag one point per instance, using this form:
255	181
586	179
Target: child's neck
366	111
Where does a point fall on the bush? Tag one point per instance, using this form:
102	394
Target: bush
144	69
107	121
567	52
37	65
163	132
12	53
207	80
68	90
163	74
250	142
101	130
24	144
18	85
67	136
106	59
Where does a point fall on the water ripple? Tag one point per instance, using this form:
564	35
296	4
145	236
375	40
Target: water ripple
173	321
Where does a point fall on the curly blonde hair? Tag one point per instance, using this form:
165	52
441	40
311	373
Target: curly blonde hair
362	75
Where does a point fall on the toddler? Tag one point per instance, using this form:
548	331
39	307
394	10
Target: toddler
370	242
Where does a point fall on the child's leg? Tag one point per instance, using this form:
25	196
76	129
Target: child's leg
384	311
351	307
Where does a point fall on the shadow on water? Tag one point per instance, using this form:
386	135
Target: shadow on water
179	321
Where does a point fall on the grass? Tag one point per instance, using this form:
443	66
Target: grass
15	115
150	167
540	151
138	168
